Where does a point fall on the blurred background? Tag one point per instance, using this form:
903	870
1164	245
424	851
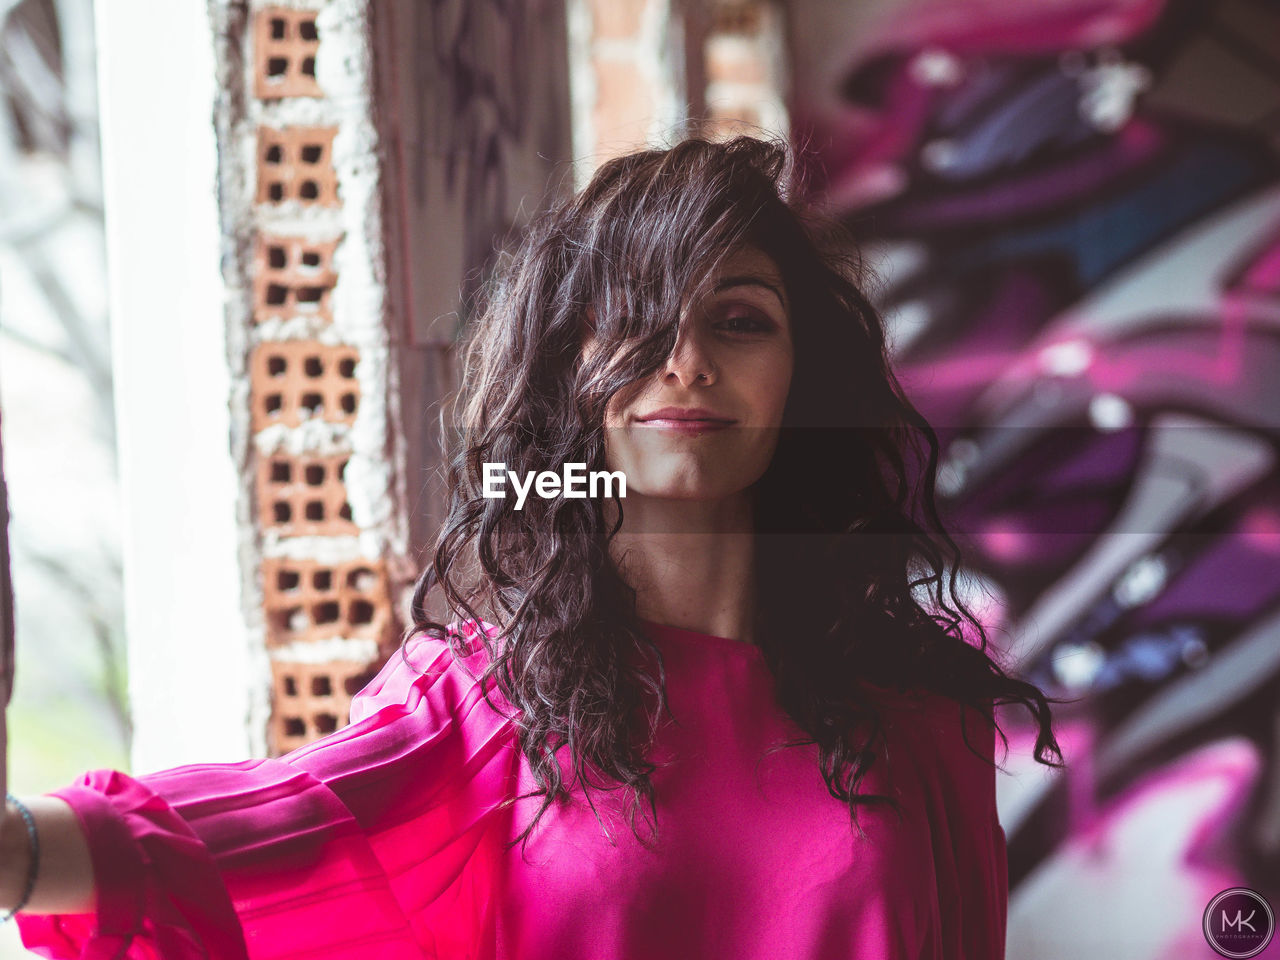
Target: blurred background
236	244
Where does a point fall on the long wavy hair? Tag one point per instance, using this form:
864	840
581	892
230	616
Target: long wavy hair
859	577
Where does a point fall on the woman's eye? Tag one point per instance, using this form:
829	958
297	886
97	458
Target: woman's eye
739	319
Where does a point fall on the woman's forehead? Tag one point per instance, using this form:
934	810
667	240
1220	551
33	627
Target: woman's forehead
740	265
749	260
748	264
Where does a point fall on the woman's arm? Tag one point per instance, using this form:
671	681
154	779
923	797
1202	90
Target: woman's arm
284	856
64	880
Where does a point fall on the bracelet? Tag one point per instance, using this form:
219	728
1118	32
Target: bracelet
33	865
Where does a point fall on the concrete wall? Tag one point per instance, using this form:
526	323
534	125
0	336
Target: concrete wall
474	117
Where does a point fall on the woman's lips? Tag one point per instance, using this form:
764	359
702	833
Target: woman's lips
685	426
685	420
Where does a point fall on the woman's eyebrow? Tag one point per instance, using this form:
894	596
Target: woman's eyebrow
750	280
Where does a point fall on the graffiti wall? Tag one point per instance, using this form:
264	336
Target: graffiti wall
1073	210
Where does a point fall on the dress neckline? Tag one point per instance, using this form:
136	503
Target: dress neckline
706	640
752	652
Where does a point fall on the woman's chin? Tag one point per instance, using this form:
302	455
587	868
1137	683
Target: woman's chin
702	487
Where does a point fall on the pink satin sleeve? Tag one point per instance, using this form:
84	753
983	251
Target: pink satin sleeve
351	846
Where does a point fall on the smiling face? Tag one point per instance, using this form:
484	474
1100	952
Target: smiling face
705	425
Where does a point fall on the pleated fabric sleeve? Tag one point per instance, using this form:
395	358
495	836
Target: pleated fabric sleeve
353	846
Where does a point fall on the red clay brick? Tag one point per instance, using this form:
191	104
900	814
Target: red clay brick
726	63
296	163
307	600
304	495
295	380
727	121
293	277
285	42
616	19
624	107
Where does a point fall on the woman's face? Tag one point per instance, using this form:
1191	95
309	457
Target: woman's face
705	425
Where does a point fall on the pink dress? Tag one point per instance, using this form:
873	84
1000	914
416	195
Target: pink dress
386	838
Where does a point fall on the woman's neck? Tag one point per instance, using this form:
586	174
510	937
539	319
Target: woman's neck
691	563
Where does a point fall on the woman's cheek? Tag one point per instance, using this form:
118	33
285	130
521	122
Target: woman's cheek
778	379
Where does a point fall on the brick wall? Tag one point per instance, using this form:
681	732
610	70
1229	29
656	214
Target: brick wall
645	71
325	544
743	51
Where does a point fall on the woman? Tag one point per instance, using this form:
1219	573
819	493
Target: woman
729	714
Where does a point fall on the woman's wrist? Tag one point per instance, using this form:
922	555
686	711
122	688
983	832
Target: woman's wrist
15	857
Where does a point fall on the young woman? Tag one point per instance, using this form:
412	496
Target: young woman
731	714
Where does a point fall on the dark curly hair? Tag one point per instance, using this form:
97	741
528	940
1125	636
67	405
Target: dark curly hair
859	578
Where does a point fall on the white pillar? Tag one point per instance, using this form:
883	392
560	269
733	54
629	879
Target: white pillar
189	652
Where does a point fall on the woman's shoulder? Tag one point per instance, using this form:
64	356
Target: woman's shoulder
431	715
957	737
463	644
446	671
935	712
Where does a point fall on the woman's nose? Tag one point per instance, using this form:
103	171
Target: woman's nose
690	361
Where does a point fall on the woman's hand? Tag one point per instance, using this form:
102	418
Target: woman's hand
64	880
64	877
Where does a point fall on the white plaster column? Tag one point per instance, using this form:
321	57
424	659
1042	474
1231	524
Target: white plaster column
188	646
